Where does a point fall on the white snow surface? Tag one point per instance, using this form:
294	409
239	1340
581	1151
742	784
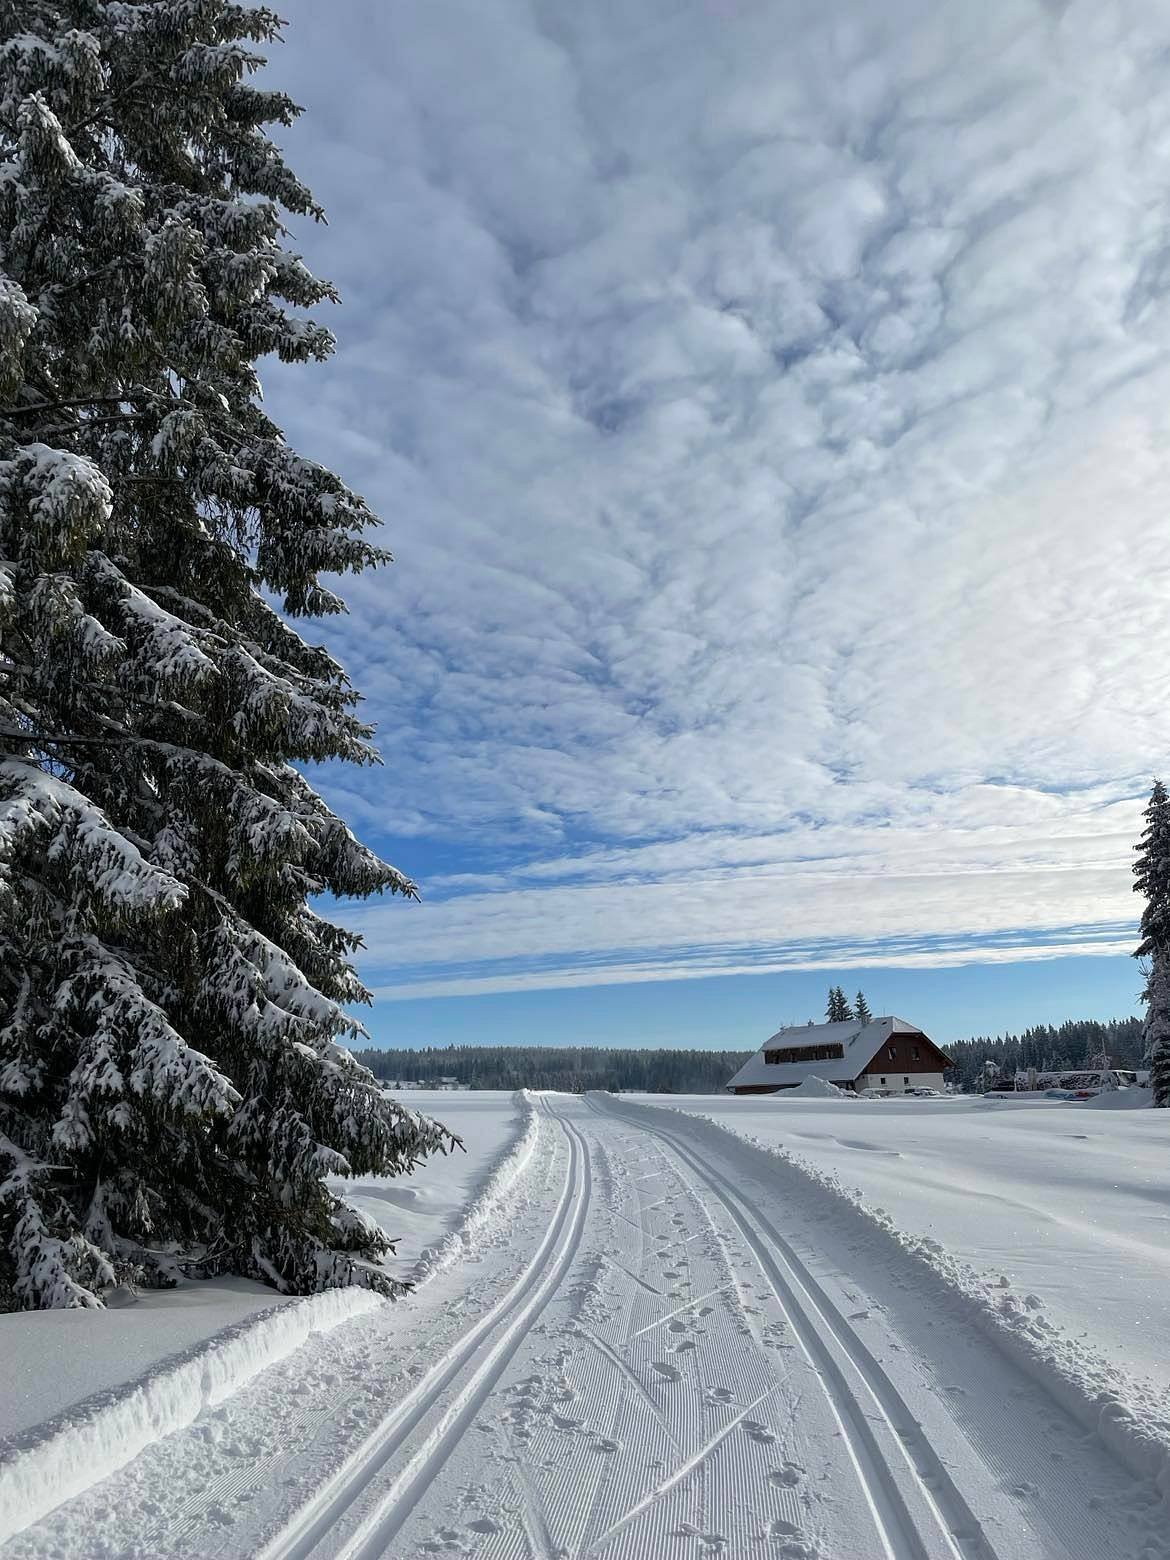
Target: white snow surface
819	1089
664	1340
83	1391
419	1211
1069	1200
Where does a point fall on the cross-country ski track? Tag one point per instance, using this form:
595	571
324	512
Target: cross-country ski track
655	1348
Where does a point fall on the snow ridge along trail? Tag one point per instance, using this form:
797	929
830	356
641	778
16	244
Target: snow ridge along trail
661	1349
318	1527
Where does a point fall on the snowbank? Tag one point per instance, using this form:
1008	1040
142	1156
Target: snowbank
1070	1201
45	1466
1131	1418
419	1210
817	1089
492	1196
55	1460
1119	1099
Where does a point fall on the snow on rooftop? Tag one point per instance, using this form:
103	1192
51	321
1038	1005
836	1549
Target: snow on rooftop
859	1042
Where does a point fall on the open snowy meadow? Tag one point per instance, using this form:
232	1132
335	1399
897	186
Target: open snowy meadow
662	1325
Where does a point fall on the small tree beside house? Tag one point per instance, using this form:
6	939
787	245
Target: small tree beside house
838	1010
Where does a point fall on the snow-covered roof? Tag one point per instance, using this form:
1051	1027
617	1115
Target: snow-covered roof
860	1043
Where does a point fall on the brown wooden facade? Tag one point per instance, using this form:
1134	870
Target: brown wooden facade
903	1055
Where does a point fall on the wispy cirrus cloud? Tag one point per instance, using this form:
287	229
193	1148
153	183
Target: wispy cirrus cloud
770	404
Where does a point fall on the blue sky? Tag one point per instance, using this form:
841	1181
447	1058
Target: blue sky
769	407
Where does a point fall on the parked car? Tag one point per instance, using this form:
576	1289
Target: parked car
925	1093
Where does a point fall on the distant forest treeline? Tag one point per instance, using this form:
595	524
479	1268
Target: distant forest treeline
1047	1047
559	1067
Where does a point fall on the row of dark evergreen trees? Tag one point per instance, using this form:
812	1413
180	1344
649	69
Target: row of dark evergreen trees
1048	1048
571	1068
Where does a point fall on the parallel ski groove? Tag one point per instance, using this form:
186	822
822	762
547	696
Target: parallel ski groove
805	1303
313	1521
393	1508
685	1468
625	1370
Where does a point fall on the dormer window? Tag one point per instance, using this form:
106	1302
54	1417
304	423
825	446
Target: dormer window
804	1053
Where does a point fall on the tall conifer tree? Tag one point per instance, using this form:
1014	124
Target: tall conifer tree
1152	875
172	1089
861	1009
838	1010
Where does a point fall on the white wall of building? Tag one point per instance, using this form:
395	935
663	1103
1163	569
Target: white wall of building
899	1083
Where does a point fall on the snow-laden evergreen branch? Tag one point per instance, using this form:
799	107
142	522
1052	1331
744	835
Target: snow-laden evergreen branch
172	1087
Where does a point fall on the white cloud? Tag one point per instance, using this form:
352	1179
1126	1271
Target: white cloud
770	406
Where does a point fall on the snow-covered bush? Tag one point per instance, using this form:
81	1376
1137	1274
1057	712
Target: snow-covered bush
172	1089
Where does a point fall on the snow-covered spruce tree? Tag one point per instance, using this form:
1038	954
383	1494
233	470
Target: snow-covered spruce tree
861	1009
172	1089
838	1010
1152	875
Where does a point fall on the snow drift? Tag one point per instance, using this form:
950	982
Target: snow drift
43	1467
491	1197
817	1089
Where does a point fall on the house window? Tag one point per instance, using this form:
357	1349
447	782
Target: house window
893	1054
913	1053
906	1081
883	1083
805	1053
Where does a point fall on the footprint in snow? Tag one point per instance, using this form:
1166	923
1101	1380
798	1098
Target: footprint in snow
720	1395
759	1432
788	1476
682	1348
665	1371
485	1525
677	1327
715	1543
604	1444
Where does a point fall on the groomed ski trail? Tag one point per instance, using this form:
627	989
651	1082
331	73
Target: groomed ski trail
663	1354
872	1419
474	1365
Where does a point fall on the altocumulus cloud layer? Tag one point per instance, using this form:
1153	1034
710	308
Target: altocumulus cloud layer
770	406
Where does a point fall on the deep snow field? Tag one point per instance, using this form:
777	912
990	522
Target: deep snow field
636	1334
